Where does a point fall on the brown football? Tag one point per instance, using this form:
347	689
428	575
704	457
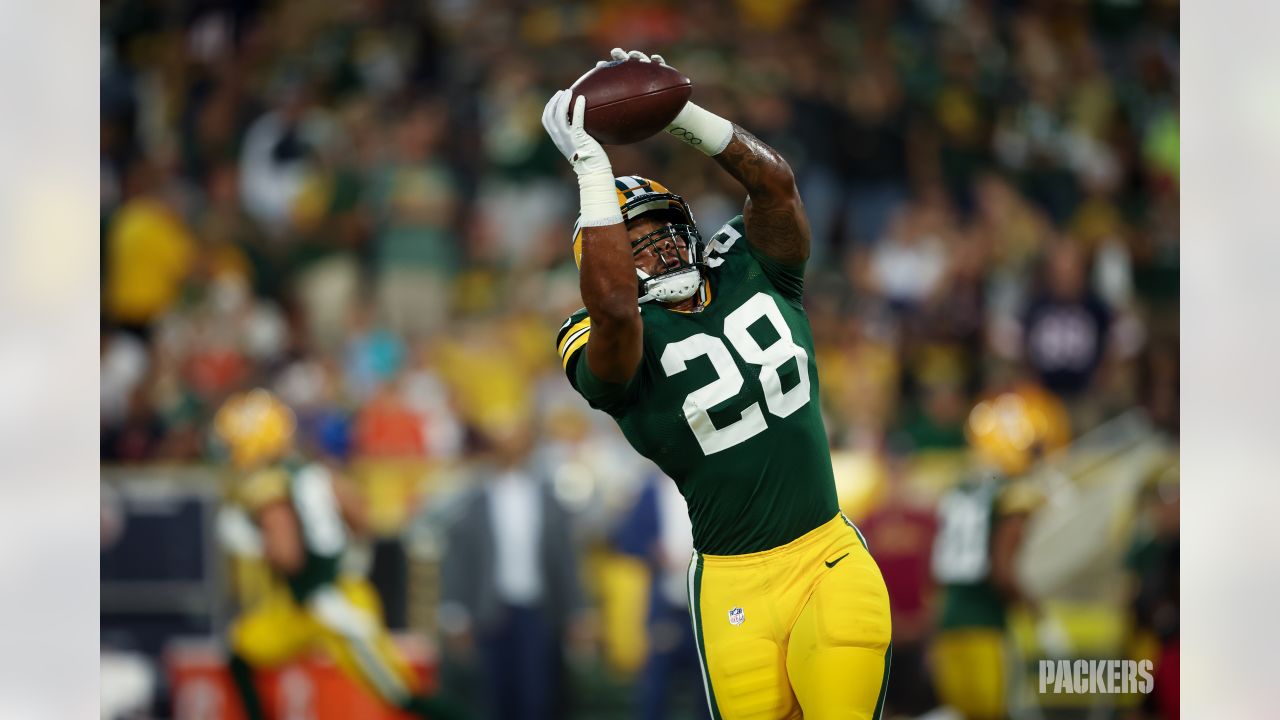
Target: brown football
630	100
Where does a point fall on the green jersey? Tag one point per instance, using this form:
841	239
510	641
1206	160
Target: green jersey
309	491
967	518
725	401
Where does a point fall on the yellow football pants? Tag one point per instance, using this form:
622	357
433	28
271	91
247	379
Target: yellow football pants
345	620
799	631
969	671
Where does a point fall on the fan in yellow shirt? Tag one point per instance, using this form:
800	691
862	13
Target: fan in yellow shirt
149	254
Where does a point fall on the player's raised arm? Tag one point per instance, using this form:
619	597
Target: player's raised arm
774	216
608	276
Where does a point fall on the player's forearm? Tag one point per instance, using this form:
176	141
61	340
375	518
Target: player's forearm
774	216
608	276
281	538
1004	550
608	285
761	169
608	279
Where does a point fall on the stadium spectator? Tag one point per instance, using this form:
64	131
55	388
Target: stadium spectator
657	531
277	155
123	364
150	252
1066	328
909	264
510	590
373	354
387	428
873	146
415	200
1152	563
901	533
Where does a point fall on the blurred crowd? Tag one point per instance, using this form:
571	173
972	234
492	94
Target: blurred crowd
354	203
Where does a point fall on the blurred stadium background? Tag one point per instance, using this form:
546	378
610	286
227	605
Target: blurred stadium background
353	203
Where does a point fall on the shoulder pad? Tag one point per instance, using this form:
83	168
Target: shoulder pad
264	487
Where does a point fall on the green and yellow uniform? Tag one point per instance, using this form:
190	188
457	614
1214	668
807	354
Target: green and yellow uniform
318	606
725	402
969	649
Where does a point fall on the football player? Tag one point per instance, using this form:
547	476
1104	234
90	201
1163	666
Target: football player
304	514
701	351
981	523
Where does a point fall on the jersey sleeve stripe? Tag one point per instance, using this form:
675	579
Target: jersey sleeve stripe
567	336
569	341
574	347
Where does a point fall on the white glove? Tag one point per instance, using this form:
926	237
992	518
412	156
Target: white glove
582	151
620	54
597	196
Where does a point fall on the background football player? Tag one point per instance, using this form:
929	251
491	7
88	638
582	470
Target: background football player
305	514
702	353
981	524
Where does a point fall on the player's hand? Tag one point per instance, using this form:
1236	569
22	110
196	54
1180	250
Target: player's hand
583	152
617	54
620	54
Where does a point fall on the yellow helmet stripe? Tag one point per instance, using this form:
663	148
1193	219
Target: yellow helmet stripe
628	188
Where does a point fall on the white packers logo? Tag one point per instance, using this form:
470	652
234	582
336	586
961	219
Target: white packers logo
1095	677
735	616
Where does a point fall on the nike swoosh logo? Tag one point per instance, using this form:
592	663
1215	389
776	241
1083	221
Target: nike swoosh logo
833	562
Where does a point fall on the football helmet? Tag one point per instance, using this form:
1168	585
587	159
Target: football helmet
1011	430
256	427
680	279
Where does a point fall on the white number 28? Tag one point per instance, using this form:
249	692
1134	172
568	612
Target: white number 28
728	383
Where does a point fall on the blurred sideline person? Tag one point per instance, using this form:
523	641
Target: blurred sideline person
657	531
510	592
305	515
902	531
1154	579
981	522
701	351
127	677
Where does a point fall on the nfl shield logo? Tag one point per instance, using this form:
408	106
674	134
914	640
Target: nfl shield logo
735	616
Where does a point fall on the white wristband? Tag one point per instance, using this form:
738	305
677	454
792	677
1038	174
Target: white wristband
598	199
702	129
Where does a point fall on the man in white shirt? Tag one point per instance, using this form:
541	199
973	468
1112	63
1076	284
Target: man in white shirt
510	587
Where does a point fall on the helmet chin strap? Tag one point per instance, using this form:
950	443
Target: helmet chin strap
675	287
